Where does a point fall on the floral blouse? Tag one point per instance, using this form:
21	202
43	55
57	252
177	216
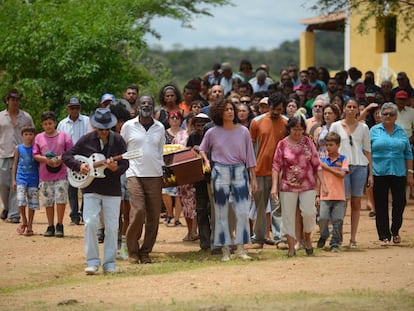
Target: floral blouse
297	164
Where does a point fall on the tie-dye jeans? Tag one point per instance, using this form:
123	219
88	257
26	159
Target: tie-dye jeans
230	179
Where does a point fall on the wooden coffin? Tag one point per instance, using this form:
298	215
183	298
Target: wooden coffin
182	167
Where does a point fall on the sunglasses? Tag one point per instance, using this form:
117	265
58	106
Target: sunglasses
103	130
350	140
74	107
389	114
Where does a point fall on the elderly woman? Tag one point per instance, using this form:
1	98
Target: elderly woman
392	169
296	164
232	153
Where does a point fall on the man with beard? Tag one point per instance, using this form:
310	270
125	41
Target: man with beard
266	131
130	95
144	178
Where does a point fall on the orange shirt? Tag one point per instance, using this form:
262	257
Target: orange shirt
184	107
265	134
335	184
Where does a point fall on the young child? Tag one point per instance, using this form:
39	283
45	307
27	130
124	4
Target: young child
25	180
47	150
333	205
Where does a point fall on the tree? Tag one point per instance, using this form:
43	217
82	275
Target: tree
53	49
373	9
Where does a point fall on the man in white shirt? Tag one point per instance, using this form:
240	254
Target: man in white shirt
228	78
144	177
405	116
75	125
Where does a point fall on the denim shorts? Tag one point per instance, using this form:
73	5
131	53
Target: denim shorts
355	180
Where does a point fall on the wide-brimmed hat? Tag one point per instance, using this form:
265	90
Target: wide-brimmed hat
201	117
102	118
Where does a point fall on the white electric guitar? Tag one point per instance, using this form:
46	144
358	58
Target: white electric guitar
97	164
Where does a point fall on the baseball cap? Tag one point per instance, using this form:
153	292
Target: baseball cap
401	94
105	97
73	101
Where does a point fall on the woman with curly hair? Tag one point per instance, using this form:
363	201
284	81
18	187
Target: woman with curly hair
232	152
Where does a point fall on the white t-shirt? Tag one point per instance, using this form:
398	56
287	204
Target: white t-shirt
360	142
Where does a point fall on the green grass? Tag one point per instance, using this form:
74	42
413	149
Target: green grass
165	264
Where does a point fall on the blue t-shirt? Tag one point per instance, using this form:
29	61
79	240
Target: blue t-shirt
27	173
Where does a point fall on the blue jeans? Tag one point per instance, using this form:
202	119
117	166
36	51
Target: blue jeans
355	180
95	203
333	210
232	179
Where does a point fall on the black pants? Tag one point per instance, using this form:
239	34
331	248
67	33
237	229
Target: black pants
382	185
203	214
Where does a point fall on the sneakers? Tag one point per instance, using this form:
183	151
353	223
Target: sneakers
177	223
335	249
241	253
13	220
59	231
50	231
110	271
226	253
91	270
321	243
3	214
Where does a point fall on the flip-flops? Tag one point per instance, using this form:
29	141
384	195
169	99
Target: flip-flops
21	229
28	233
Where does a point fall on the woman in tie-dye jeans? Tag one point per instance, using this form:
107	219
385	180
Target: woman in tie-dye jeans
232	153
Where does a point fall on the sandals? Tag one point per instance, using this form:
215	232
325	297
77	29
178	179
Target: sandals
396	239
385	242
29	233
21	229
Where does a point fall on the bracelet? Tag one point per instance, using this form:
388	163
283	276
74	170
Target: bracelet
410	171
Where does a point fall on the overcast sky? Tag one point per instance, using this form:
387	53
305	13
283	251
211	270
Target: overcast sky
262	24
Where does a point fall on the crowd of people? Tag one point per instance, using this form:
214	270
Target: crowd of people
279	157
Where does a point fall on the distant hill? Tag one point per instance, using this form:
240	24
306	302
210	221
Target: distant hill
186	64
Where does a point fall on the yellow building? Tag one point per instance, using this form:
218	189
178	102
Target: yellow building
382	51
